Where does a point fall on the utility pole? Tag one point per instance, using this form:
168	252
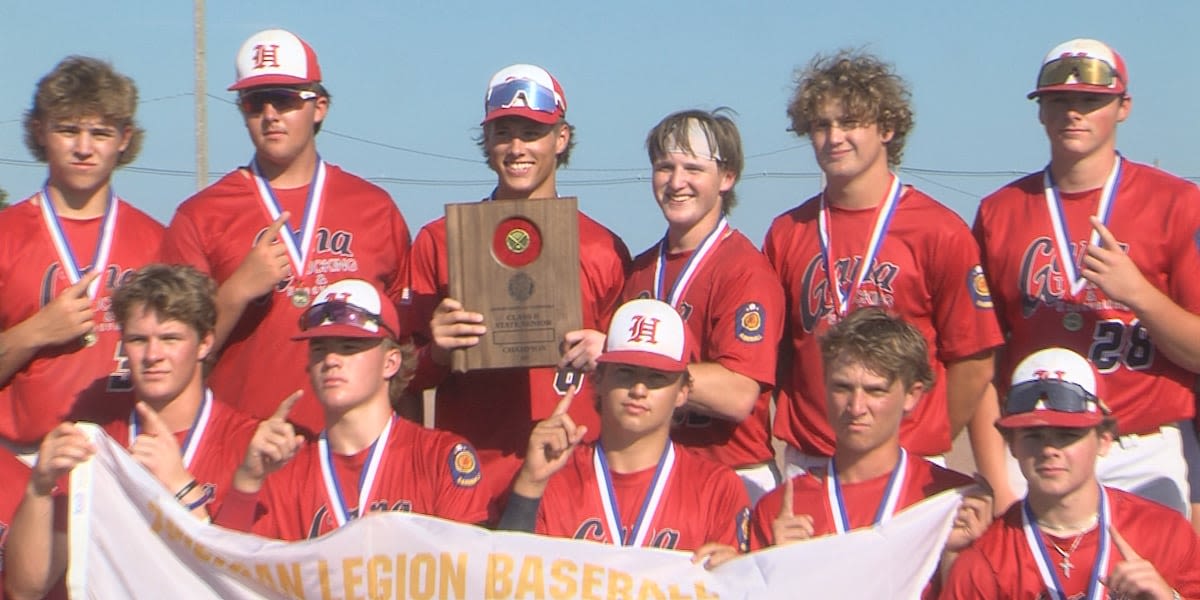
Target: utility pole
201	96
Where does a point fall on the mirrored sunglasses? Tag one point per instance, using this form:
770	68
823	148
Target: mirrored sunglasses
1054	394
521	93
336	312
1083	70
283	99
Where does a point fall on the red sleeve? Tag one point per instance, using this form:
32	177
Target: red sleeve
461	496
606	279
1185	263
237	511
729	510
748	321
962	304
980	232
971	577
424	286
399	288
182	244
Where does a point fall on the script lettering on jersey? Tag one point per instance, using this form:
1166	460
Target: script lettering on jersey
1042	281
54	281
323	521
593	529
332	253
816	299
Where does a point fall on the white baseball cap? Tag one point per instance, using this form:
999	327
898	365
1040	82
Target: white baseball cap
1082	65
275	57
350	308
527	91
1054	387
648	333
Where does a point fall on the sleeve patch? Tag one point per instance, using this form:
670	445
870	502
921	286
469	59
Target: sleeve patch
977	284
750	322
743	529
464	465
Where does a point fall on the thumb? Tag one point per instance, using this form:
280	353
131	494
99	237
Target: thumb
789	497
285	407
151	422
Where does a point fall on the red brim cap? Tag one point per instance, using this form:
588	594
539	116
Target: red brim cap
337	330
650	360
1051	418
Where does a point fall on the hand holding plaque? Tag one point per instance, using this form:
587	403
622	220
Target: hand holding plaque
516	262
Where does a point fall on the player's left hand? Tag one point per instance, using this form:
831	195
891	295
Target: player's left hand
973	517
714	554
1134	576
581	348
1109	268
156	449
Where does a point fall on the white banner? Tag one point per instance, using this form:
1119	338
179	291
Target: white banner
129	538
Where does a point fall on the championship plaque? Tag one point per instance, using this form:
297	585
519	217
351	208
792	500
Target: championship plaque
516	262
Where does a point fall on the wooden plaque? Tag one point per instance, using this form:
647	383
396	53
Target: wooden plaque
517	263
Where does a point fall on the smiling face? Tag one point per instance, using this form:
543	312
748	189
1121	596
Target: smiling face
524	155
165	356
688	189
846	146
81	152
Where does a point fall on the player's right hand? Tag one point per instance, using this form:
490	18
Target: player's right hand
788	526
453	327
68	316
62	449
550	447
265	266
275	442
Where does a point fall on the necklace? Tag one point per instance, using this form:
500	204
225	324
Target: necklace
1083	527
1066	554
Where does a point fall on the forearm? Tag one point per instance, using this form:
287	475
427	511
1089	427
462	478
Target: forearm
720	392
18	345
1173	330
966	381
230	306
520	514
35	554
989	450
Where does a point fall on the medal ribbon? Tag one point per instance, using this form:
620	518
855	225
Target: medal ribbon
883	218
608	497
695	261
1062	237
194	435
887	506
366	479
299	244
1042	558
65	256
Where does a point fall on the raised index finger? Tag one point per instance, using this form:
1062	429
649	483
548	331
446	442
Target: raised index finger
153	424
565	404
1107	239
79	288
789	498
285	407
273	230
1127	551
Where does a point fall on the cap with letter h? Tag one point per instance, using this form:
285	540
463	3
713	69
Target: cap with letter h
1054	387
350	308
275	57
649	333
1082	65
527	91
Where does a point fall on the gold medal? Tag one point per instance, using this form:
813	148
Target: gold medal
300	298
1072	321
89	339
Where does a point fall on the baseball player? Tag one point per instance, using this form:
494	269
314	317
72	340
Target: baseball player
634	486
1072	537
876	370
1097	254
190	443
65	249
722	286
367	459
869	240
276	232
526	137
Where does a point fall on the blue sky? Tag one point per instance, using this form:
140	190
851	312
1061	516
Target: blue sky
408	78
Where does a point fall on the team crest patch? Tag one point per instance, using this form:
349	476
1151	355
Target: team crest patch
743	528
750	322
464	465
977	284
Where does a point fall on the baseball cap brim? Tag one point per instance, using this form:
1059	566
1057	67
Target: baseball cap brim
344	331
268	80
538	116
1077	87
1051	418
638	358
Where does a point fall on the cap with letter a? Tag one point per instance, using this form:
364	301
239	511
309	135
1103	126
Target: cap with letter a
275	57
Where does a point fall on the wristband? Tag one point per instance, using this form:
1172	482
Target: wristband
187	488
204	498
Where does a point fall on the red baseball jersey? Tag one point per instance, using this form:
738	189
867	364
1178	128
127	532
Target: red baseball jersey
1000	563
922	480
220	448
495	409
421	470
360	234
926	271
702	501
63	378
15	475
1156	217
734	307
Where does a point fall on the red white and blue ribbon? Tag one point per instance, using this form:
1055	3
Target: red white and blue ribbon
695	261
66	257
194	435
298	244
883	218
887	506
1041	557
366	479
1062	237
608	497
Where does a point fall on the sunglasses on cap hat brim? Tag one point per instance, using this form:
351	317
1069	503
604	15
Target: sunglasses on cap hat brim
1085	73
522	93
1051	403
253	101
340	319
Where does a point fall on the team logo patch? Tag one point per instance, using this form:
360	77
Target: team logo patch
977	284
743	527
750	322
464	465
